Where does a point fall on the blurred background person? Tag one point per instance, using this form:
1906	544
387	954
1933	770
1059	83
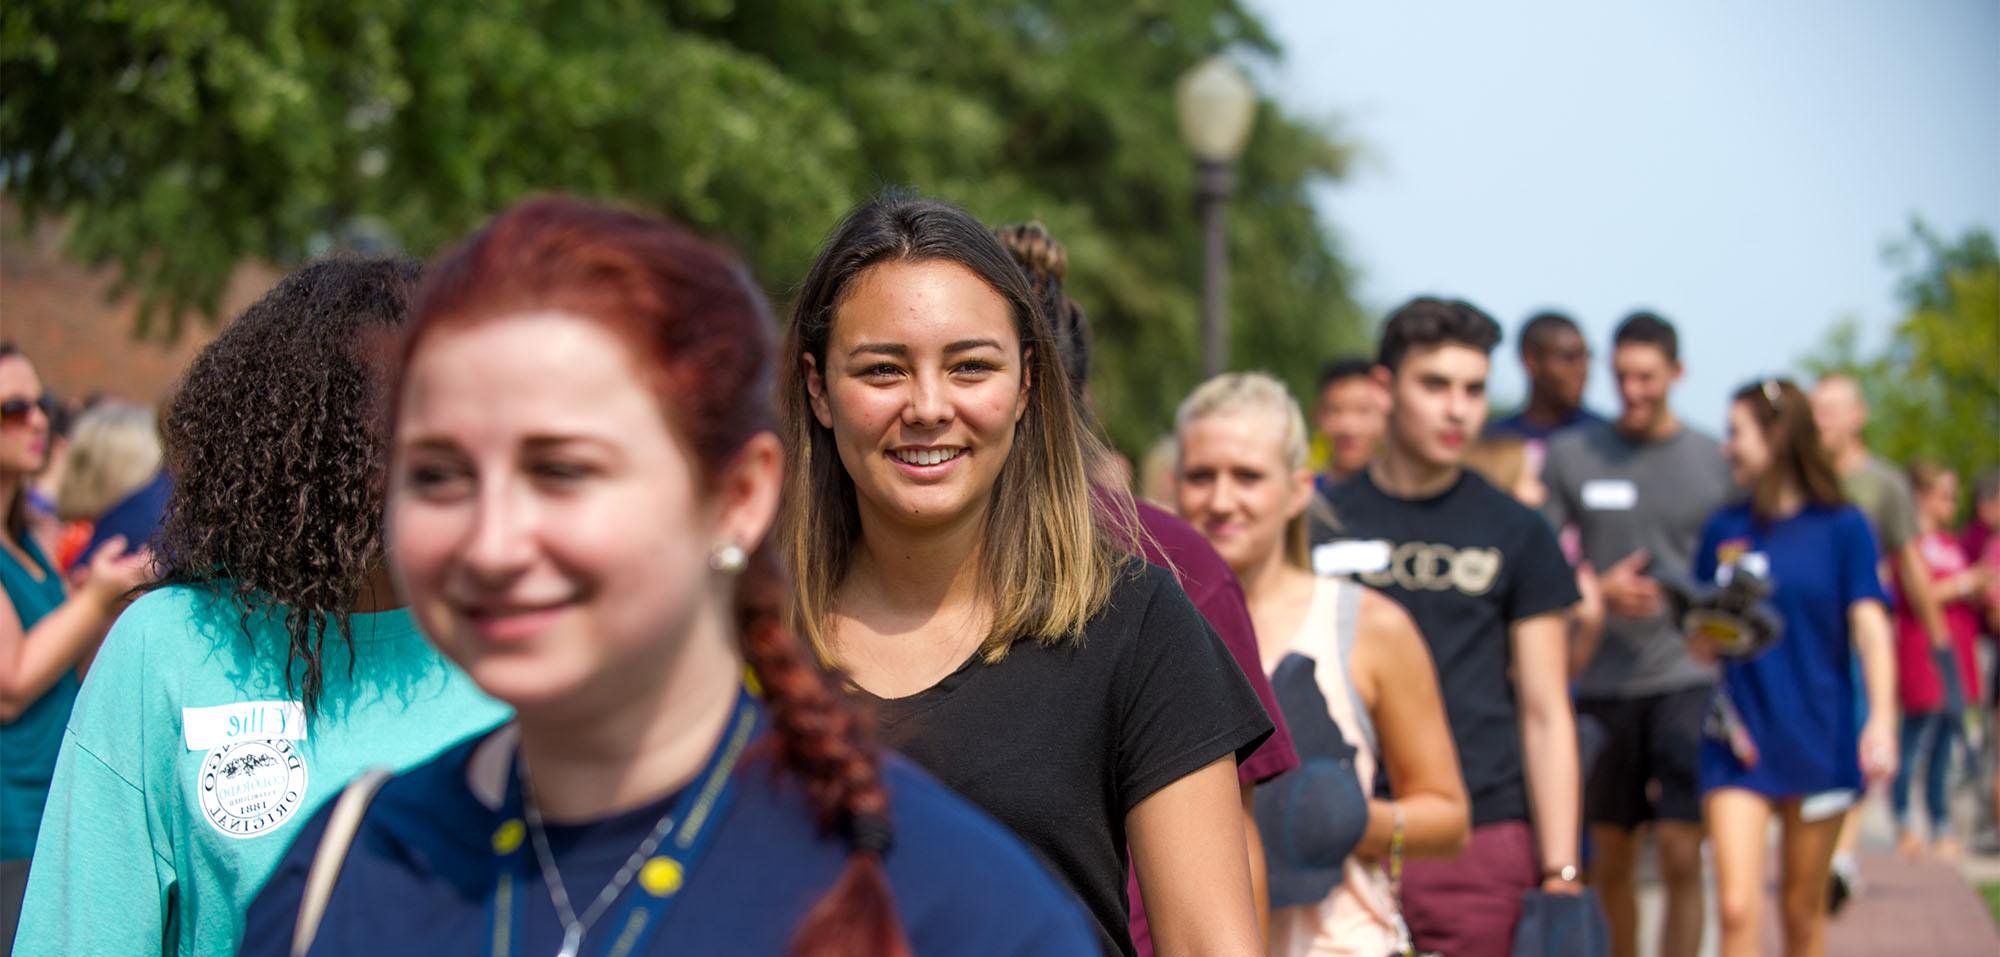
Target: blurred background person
954	563
114	451
1350	415
1350	412
46	631
40	497
1792	746
1244	481
271	661
1169	543
1638	491
1156	473
1980	541
582	488
1487	584
1556	358
1936	684
1878	488
1503	461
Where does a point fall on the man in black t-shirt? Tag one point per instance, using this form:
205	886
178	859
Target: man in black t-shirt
1486	582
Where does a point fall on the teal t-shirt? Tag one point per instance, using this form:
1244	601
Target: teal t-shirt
188	769
28	744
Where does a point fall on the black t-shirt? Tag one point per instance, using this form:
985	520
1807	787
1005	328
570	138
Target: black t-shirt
1467	564
1060	742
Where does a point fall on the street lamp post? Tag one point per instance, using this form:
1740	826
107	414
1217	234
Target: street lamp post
1217	106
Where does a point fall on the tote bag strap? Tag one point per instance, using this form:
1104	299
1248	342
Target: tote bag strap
332	853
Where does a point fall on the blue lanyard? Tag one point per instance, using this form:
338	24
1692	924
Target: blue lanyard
696	817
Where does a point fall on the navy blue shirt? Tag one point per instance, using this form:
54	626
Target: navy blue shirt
1518	426
136	516
1797	698
420	877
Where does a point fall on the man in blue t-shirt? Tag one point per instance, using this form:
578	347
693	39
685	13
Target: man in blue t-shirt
1557	360
1486	583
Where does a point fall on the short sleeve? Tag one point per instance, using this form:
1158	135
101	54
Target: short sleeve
1182	701
1858	560
1899	515
94	828
98	822
1543	581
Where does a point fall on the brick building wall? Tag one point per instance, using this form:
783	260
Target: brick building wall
82	342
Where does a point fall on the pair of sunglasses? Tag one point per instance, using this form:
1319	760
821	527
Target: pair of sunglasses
16	409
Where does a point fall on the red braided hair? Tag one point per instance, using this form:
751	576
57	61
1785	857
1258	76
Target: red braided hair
704	338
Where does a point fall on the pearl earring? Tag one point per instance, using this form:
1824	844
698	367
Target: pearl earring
728	558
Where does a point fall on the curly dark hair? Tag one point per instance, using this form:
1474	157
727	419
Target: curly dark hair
274	440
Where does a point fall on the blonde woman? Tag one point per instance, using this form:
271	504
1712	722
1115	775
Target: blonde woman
1244	482
953	562
114	455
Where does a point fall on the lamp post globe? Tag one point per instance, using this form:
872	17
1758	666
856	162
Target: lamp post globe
1216	105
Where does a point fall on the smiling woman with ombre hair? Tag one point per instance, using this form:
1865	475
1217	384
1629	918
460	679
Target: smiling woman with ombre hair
953	562
582	477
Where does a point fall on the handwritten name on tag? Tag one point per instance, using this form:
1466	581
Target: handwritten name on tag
1351	557
205	729
1610	495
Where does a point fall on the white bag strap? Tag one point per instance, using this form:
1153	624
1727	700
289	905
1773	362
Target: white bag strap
332	853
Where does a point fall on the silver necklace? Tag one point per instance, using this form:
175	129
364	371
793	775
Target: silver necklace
575	927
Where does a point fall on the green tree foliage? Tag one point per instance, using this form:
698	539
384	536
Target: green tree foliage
1934	391
181	137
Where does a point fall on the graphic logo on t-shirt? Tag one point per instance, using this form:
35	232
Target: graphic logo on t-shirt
250	787
1422	566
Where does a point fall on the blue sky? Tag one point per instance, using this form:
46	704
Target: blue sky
1737	167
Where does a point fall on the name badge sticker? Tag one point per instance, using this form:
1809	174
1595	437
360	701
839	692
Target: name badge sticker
206	729
1610	495
1351	557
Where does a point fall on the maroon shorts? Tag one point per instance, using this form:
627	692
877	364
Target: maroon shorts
1467	906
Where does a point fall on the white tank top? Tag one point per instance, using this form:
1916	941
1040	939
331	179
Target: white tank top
1358	918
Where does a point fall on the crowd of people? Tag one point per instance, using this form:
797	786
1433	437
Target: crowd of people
506	603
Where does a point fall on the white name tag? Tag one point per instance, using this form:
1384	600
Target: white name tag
1610	495
206	729
1351	557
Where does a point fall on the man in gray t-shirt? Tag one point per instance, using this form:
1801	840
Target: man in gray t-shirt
1638	492
1638	506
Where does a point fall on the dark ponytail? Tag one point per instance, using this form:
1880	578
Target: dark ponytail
1046	264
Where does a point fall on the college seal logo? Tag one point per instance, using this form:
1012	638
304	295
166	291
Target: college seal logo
250	787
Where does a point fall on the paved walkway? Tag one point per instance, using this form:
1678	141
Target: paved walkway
1912	909
1927	909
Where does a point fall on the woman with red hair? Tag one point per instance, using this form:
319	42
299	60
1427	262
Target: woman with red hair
583	476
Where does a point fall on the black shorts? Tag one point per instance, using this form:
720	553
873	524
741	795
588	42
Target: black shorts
1647	769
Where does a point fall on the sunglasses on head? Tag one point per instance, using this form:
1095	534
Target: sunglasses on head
16	409
1774	391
